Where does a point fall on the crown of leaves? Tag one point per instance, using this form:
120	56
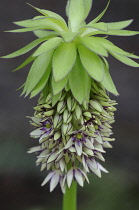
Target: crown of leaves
71	55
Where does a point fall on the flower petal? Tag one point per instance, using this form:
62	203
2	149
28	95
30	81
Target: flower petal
69	177
48	177
78	177
54	181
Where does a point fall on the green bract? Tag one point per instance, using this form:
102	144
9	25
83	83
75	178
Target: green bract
71	55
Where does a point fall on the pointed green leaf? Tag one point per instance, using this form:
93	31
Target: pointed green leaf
55	98
45	23
92	63
22	30
37	71
101	14
94	28
25	49
58	86
87	7
121	32
43	33
77	81
76	14
125	60
47	12
35	22
113	48
91	31
41	84
67	8
88	31
107	80
63	60
48	45
27	61
24	89
92	44
21	86
100	26
119	25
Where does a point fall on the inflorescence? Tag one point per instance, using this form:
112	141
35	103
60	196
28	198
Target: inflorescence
72	137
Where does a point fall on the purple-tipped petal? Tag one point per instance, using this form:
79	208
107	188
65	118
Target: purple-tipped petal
79	177
54	181
78	147
69	177
102	168
48	177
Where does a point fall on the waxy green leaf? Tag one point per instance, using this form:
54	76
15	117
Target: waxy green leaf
41	84
107	81
21	86
113	48
100	26
92	44
67	8
27	61
37	71
119	25
92	31
91	62
44	33
44	23
23	30
87	7
25	49
125	60
58	86
47	13
76	14
101	14
63	60
88	31
48	45
121	32
78	82
94	28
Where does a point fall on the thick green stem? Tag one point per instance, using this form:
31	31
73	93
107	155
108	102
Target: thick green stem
70	198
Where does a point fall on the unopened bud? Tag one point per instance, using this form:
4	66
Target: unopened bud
57	120
95	105
61	107
49	99
78	112
48	113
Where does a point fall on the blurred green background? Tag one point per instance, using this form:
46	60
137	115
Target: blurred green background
20	179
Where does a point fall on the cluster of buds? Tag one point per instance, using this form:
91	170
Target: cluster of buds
72	136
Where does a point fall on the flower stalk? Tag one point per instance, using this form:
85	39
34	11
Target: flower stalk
70	198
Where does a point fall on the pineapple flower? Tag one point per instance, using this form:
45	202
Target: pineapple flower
74	114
